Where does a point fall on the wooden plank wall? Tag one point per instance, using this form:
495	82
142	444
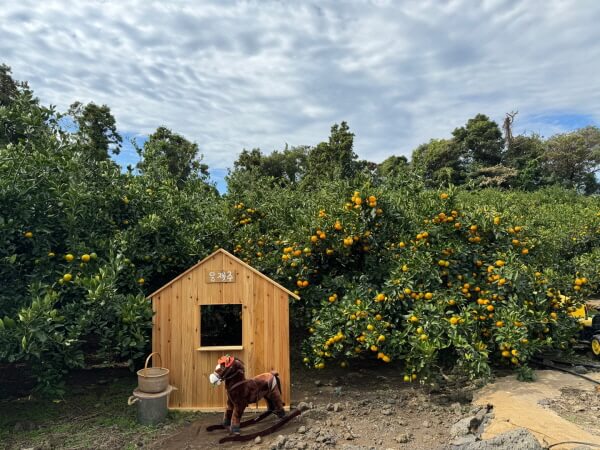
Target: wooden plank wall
176	331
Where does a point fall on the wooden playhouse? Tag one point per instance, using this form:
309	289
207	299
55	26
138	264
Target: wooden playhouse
219	306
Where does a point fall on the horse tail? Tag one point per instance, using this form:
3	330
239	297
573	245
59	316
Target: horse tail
276	384
278	381
275	381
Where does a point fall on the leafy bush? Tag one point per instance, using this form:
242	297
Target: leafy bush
386	269
438	280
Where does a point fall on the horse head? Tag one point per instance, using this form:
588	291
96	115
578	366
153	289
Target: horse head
227	367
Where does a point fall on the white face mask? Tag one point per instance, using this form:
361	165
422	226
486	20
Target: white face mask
214	378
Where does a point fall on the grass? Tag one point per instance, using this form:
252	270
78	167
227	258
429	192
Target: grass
94	414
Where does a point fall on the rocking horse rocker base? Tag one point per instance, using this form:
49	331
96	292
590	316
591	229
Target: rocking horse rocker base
241	392
248	437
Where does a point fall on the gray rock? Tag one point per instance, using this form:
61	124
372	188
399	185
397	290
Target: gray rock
337	407
517	439
303	406
404	438
258	440
279	443
386	412
427	424
302	429
464	440
462	427
481	414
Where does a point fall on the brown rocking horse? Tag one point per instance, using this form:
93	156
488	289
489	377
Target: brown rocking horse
242	392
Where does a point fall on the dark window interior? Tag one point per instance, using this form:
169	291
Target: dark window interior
220	325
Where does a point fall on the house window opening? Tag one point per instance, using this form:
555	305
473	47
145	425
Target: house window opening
220	325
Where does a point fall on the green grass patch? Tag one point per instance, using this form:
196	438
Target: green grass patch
91	415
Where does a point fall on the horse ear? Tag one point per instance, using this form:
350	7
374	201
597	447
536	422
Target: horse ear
226	360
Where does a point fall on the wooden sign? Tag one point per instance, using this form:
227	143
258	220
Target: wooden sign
220	276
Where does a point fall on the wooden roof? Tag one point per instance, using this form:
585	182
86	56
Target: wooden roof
236	259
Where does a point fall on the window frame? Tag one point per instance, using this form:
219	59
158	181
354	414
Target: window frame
216	348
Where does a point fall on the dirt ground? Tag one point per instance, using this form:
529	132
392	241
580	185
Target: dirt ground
557	407
374	409
351	409
363	408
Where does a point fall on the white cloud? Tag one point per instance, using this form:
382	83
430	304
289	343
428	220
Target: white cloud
250	74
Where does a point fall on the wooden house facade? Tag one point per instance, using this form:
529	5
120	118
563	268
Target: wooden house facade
219	306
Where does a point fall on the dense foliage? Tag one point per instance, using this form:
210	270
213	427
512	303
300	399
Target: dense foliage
392	261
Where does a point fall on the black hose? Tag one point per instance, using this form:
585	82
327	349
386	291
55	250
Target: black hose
552	366
572	442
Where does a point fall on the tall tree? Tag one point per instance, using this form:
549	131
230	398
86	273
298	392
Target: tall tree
480	140
97	130
573	159
172	154
393	166
439	162
21	116
248	160
335	158
287	166
9	88
524	153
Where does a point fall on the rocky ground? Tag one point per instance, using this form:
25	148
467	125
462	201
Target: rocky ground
361	410
578	406
357	409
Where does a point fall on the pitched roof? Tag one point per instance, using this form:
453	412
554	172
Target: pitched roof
236	259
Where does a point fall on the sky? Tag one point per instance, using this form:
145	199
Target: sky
231	75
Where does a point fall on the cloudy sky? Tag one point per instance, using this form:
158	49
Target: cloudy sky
233	75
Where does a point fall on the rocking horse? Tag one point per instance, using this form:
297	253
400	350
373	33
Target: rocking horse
242	392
